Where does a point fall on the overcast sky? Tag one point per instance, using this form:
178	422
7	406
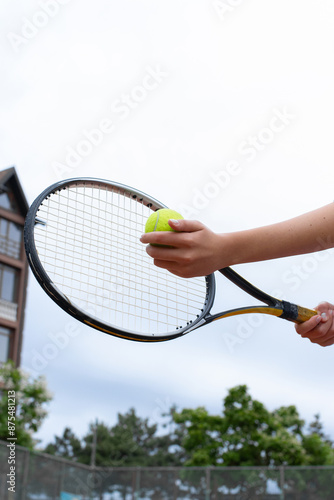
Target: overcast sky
222	110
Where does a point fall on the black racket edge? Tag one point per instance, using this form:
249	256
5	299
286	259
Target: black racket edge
289	311
64	303
134	194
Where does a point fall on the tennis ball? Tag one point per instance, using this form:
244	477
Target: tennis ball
158	221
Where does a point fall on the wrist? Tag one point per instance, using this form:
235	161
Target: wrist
241	247
228	251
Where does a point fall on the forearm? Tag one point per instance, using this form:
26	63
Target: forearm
194	250
310	232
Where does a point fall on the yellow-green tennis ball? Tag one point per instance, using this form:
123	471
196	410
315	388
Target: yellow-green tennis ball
158	221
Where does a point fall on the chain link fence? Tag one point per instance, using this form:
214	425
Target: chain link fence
37	476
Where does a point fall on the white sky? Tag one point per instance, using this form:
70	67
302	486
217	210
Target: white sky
223	75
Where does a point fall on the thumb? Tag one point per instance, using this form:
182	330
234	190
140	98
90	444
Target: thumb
186	226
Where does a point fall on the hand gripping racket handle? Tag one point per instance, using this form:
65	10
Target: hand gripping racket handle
304	314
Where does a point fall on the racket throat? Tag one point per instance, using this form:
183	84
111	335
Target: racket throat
272	311
202	322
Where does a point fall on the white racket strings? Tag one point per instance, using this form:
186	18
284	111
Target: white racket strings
89	246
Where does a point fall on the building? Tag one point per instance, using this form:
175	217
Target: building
13	265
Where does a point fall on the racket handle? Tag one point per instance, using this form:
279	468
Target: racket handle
304	314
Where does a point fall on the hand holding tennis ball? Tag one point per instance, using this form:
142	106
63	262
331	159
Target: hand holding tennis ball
158	221
187	249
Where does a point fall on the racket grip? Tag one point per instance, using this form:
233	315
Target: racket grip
304	314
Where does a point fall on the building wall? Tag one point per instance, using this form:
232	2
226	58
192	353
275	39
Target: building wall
13	266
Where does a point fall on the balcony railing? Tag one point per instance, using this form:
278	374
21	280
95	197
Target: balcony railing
8	310
9	247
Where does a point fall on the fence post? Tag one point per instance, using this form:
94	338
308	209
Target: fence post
208	484
61	478
282	481
175	484
25	473
136	483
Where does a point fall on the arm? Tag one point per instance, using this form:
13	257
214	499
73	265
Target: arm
196	250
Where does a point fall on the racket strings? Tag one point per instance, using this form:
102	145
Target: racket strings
91	251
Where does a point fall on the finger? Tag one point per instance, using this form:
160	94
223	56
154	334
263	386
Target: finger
171	267
163	264
184	225
323	307
326	316
174	268
171	237
307	326
323	340
320	333
160	238
160	253
327	342
166	238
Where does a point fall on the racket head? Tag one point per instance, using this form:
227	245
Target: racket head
82	243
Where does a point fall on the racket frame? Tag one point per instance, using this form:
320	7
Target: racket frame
63	302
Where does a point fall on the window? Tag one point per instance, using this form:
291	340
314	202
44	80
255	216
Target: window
5	335
8	283
7	200
9	278
10	238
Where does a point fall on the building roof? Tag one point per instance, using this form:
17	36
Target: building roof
9	181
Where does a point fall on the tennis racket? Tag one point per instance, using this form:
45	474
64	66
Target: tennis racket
82	243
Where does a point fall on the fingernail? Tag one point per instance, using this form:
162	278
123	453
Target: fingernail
174	221
324	316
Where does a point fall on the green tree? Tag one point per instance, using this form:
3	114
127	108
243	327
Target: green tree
132	441
67	446
248	434
245	434
317	444
28	411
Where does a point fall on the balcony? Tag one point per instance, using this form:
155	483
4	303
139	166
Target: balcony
8	310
